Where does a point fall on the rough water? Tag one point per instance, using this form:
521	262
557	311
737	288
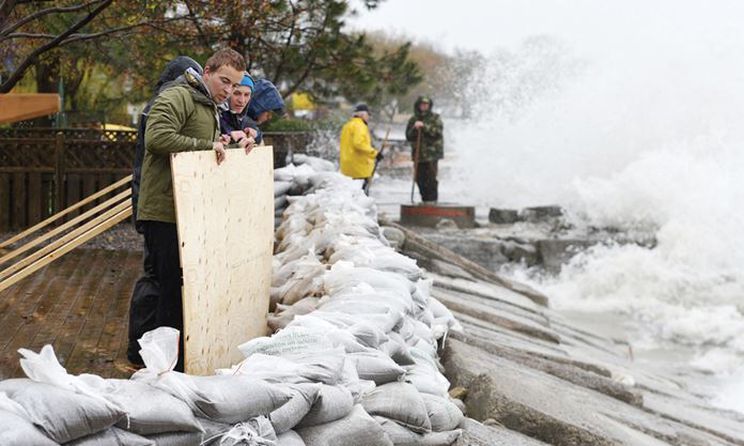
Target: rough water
640	138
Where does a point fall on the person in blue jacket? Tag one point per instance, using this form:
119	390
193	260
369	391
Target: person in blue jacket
234	119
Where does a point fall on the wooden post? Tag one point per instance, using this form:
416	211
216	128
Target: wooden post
59	171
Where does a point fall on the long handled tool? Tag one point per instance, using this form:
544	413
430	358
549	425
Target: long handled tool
377	161
415	163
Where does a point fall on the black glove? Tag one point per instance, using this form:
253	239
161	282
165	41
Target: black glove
379	156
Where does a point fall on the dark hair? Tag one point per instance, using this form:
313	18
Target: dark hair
226	56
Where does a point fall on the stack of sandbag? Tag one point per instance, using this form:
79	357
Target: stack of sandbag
294	179
353	360
356	330
156	407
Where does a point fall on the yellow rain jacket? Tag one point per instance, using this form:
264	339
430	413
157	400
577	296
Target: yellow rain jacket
357	153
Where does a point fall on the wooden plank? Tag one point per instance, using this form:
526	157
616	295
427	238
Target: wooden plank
16	107
18	215
225	220
4	203
73	235
35	200
78	204
111	202
81	238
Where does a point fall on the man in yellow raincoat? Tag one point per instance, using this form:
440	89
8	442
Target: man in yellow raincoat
357	154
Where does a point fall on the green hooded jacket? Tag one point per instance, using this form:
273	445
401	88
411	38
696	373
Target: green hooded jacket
182	118
432	140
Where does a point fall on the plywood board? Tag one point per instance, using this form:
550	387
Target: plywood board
225	218
16	107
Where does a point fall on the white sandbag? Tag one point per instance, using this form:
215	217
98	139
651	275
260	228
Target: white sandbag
324	367
17	430
227	399
289	415
289	438
427	380
401	436
293	339
331	404
284	314
213	431
377	366
177	439
318	164
367	334
162	413
319	326
281	187
443	413
400	402
357	429
254	432
83	415
345	275
280	202
112	437
397	350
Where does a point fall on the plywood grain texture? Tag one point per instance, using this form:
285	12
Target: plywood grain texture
225	218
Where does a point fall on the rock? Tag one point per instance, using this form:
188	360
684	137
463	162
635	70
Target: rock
458	393
503	216
554	253
538	214
477	434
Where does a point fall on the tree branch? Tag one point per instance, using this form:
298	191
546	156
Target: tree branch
44	12
31	58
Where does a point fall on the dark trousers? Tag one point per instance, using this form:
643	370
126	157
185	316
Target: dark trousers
142	307
161	242
426	178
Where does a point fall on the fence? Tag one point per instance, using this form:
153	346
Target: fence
45	170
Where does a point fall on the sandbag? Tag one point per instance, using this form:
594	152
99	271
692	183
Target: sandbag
401	436
376	366
177	439
289	438
289	415
356	429
254	432
331	404
83	415
281	187
325	367
284	314
161	413
444	415
400	402
112	437
222	398
15	430
213	431
427	380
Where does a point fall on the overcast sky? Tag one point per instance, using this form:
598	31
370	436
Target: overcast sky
486	24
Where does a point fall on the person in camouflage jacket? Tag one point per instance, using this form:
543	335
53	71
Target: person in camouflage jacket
429	124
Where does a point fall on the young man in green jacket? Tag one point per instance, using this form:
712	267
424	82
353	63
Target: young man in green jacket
426	126
184	117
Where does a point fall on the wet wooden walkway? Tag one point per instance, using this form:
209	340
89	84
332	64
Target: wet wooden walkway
80	305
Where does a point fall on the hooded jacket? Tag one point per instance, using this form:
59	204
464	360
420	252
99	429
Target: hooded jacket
231	121
265	97
432	141
171	72
357	156
183	118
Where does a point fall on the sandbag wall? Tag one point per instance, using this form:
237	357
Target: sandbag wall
353	360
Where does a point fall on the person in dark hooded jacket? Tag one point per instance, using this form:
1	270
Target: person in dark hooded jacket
265	102
143	304
426	126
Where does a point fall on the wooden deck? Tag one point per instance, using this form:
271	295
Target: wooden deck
80	305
